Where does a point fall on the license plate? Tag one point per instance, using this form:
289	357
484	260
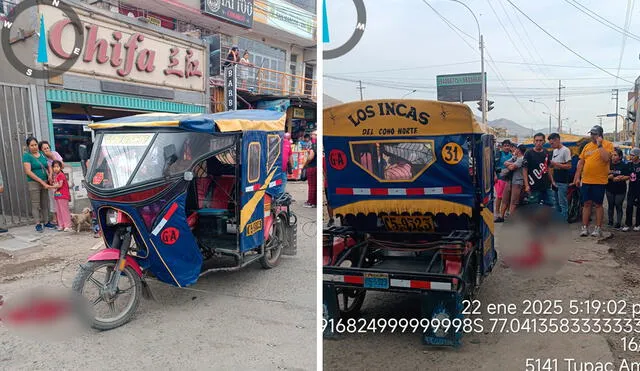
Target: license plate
408	223
376	280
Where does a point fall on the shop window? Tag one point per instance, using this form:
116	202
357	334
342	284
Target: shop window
253	162
393	160
274	146
68	136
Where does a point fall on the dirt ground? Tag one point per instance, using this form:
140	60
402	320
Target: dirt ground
249	319
600	270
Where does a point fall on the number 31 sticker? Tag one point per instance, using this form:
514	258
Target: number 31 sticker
452	153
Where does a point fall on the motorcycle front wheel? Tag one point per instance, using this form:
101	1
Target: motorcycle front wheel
107	311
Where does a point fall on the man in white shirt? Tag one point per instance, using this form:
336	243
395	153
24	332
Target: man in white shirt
560	166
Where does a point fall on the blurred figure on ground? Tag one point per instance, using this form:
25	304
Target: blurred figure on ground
513	189
560	166
616	188
633	197
502	156
592	176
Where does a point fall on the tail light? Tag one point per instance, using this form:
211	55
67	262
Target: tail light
115	217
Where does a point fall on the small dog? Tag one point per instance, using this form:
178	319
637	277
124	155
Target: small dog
83	219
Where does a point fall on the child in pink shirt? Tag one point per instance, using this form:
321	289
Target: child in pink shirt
62	197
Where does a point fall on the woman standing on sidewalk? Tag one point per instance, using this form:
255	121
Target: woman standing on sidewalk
36	169
617	187
51	156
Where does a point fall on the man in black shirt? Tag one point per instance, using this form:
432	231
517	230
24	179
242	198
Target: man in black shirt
535	170
633	196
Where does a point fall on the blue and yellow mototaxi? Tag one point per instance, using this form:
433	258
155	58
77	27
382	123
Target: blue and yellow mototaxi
411	183
180	195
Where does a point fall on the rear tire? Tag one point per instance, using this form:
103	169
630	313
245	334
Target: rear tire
85	275
273	246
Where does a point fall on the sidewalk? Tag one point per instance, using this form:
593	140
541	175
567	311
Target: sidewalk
24	240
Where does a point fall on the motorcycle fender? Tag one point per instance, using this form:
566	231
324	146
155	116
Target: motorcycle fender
114	254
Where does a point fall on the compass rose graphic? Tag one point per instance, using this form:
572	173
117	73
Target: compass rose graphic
361	21
40	67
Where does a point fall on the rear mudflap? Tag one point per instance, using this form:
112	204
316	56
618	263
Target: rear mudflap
291	247
330	311
438	306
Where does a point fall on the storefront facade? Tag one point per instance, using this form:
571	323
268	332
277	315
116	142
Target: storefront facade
124	67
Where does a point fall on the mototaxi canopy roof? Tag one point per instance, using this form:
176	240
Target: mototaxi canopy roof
230	121
406	117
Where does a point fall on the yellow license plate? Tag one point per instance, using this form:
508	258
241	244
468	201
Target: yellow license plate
408	223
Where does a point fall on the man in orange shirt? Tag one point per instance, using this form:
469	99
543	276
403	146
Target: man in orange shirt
592	177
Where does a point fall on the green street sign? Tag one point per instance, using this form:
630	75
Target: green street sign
459	79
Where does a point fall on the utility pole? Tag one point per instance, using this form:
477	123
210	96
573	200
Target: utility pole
560	100
484	83
615	96
360	88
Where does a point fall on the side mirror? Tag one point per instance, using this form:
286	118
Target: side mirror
170	157
84	156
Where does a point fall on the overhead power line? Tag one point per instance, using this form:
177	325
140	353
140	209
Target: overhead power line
564	45
595	16
451	25
515	46
627	22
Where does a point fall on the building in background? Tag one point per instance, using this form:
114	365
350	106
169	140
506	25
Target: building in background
124	66
279	35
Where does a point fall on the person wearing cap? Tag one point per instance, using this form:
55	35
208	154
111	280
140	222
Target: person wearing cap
559	167
502	156
633	195
592	176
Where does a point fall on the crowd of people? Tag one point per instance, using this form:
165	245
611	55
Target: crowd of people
538	176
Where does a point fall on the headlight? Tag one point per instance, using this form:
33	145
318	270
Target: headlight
112	217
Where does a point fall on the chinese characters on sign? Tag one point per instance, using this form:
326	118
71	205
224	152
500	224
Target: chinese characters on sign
230	86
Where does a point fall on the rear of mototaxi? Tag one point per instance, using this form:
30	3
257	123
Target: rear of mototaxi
441	212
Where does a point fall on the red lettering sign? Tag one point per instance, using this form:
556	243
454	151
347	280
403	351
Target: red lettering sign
103	51
170	235
337	159
173	61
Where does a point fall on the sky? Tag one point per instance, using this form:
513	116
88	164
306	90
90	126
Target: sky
406	44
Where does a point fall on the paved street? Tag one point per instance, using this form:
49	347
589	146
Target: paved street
602	271
250	319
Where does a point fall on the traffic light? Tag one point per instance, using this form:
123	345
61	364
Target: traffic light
480	106
631	116
490	105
